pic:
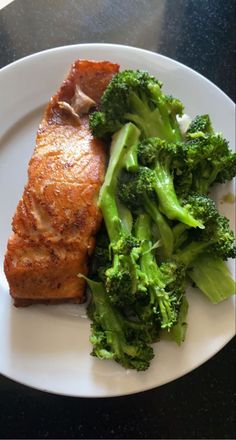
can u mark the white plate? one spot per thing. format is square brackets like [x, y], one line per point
[47, 347]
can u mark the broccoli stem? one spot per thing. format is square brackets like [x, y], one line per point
[213, 278]
[187, 255]
[110, 329]
[166, 235]
[148, 261]
[153, 123]
[180, 233]
[131, 159]
[124, 274]
[178, 332]
[159, 298]
[113, 222]
[169, 203]
[111, 322]
[203, 182]
[122, 141]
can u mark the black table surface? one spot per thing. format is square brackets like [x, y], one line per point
[200, 34]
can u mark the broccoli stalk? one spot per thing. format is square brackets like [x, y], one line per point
[163, 302]
[162, 158]
[124, 276]
[177, 333]
[180, 234]
[137, 97]
[213, 278]
[113, 335]
[216, 239]
[203, 208]
[135, 192]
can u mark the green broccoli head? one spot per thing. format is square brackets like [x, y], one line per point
[217, 232]
[202, 207]
[125, 245]
[124, 279]
[173, 276]
[199, 127]
[153, 150]
[217, 238]
[165, 158]
[136, 96]
[135, 190]
[208, 160]
[118, 283]
[161, 308]
[134, 187]
[114, 336]
[227, 169]
[222, 238]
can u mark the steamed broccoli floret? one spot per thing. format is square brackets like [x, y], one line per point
[114, 336]
[202, 207]
[165, 283]
[124, 278]
[137, 194]
[199, 127]
[208, 159]
[162, 158]
[136, 96]
[217, 238]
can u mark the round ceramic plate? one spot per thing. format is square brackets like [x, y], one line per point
[47, 347]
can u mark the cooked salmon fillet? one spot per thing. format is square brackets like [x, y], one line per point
[57, 217]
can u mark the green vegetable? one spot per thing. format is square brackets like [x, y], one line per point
[203, 208]
[124, 278]
[162, 157]
[164, 283]
[208, 159]
[213, 278]
[136, 193]
[178, 332]
[200, 126]
[114, 336]
[217, 238]
[136, 96]
[160, 227]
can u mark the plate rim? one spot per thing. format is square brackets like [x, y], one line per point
[119, 46]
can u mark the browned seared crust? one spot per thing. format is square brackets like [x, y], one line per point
[23, 302]
[57, 216]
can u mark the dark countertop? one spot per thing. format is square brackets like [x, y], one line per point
[201, 35]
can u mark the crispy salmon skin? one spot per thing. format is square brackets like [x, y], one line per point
[57, 217]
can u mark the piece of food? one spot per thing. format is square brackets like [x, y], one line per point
[207, 160]
[124, 276]
[136, 192]
[213, 277]
[162, 158]
[160, 227]
[57, 217]
[159, 224]
[135, 96]
[116, 337]
[165, 282]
